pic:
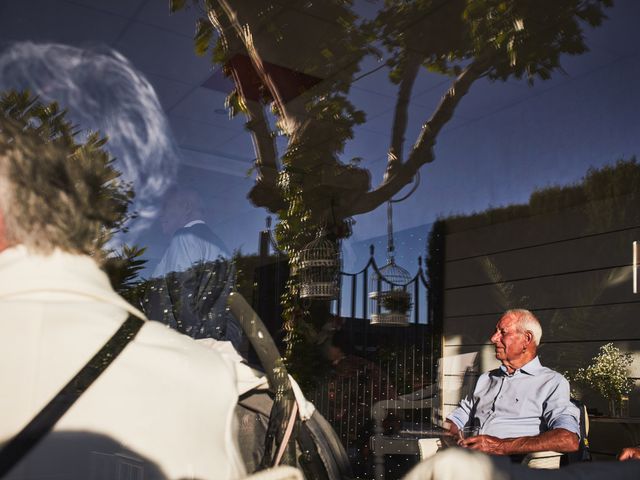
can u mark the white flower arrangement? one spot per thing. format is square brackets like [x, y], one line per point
[608, 373]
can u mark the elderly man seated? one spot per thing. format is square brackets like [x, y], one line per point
[521, 407]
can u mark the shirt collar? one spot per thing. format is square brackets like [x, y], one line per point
[192, 223]
[531, 368]
[25, 273]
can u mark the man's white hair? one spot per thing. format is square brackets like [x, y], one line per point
[527, 322]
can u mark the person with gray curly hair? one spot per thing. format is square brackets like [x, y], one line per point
[89, 386]
[47, 198]
[520, 407]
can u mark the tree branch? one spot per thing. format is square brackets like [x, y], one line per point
[422, 151]
[412, 66]
[265, 192]
[445, 110]
[244, 26]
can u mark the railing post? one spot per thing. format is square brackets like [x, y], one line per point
[365, 286]
[378, 296]
[265, 240]
[416, 293]
[354, 290]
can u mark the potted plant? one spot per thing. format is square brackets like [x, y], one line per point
[608, 375]
[396, 301]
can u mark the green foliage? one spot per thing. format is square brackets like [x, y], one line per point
[397, 301]
[293, 232]
[25, 113]
[433, 30]
[608, 373]
[176, 5]
[204, 33]
[89, 174]
[235, 104]
[622, 178]
[600, 187]
[529, 37]
[517, 38]
[331, 56]
[507, 38]
[326, 40]
[123, 268]
[78, 178]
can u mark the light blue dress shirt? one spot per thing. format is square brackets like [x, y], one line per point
[532, 400]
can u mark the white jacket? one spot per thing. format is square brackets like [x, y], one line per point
[163, 409]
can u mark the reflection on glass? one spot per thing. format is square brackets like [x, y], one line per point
[195, 275]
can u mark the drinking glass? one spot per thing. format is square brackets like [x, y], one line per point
[468, 432]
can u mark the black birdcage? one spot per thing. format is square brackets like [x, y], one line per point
[318, 269]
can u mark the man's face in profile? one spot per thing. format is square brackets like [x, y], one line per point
[174, 214]
[508, 340]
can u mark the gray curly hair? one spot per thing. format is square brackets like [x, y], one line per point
[55, 193]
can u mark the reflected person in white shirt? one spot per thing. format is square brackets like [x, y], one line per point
[197, 271]
[192, 241]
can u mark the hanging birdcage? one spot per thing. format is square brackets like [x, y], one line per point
[389, 300]
[318, 270]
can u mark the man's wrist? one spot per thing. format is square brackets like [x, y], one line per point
[451, 423]
[450, 426]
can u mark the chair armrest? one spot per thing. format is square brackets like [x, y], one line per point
[283, 472]
[547, 459]
[428, 447]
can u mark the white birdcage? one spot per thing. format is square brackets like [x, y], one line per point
[318, 269]
[389, 300]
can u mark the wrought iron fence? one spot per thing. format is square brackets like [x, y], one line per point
[379, 362]
[371, 362]
[418, 286]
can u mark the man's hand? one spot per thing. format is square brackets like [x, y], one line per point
[451, 427]
[629, 454]
[486, 444]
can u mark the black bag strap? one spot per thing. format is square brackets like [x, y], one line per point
[22, 443]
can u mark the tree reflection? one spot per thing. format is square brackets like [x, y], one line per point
[299, 59]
